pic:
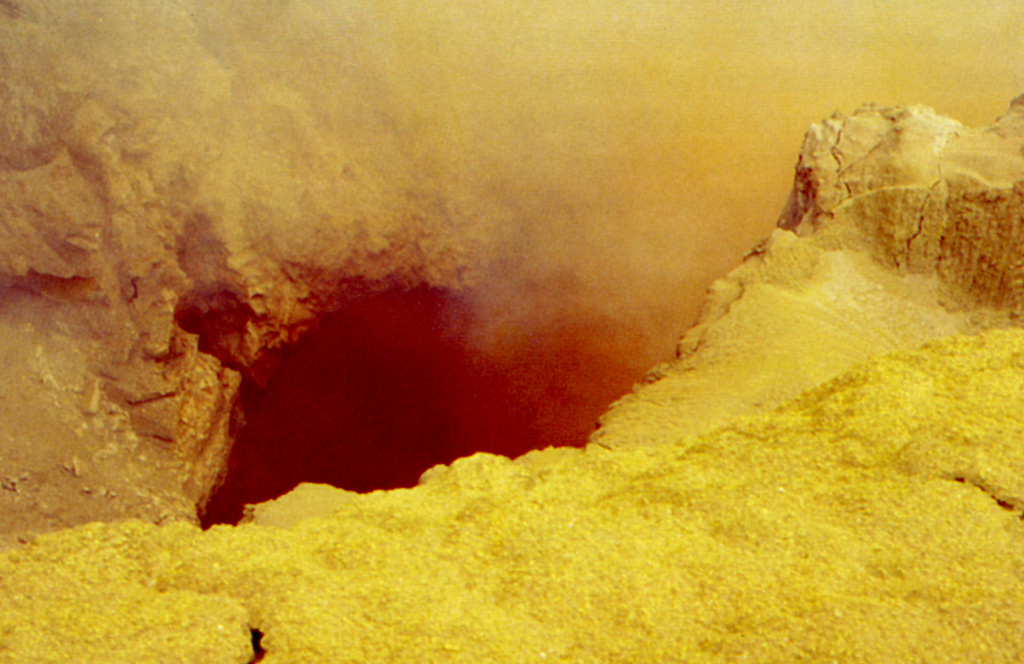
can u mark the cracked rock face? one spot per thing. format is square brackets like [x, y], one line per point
[154, 249]
[925, 195]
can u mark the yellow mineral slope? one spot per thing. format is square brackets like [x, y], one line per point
[876, 518]
[902, 226]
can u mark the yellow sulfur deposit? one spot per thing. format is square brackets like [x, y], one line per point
[876, 518]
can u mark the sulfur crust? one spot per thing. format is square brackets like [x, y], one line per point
[876, 518]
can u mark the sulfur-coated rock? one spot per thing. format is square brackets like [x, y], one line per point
[876, 518]
[902, 226]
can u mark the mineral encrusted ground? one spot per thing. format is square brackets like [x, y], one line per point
[877, 518]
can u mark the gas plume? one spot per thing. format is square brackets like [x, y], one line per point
[618, 155]
[602, 160]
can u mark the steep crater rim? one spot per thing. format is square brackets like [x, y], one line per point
[374, 395]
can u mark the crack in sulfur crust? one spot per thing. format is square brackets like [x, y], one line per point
[1005, 502]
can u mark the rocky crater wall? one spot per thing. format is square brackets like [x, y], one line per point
[176, 221]
[184, 199]
[156, 252]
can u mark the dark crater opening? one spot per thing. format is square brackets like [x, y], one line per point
[381, 391]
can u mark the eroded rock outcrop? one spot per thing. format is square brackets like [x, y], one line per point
[170, 218]
[902, 226]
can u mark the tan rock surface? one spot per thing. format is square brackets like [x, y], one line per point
[171, 215]
[876, 518]
[902, 226]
